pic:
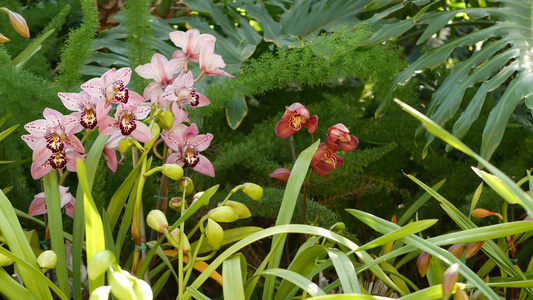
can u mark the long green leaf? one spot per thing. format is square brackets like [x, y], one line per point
[419, 203]
[305, 284]
[384, 226]
[345, 270]
[21, 59]
[231, 274]
[55, 225]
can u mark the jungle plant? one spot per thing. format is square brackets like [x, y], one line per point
[498, 57]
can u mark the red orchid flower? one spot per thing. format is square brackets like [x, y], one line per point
[187, 144]
[293, 119]
[325, 159]
[38, 205]
[281, 174]
[339, 135]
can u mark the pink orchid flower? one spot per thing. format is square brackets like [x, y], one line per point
[38, 205]
[211, 63]
[325, 159]
[187, 144]
[191, 42]
[340, 135]
[162, 72]
[53, 142]
[89, 109]
[112, 87]
[125, 120]
[110, 147]
[183, 92]
[293, 119]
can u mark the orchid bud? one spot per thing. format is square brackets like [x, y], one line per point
[473, 248]
[164, 118]
[449, 279]
[47, 260]
[460, 295]
[483, 213]
[101, 293]
[281, 174]
[175, 203]
[120, 286]
[5, 261]
[155, 130]
[157, 220]
[457, 250]
[240, 209]
[175, 240]
[173, 171]
[18, 23]
[197, 196]
[338, 227]
[186, 185]
[100, 263]
[224, 214]
[214, 234]
[3, 38]
[142, 290]
[125, 145]
[253, 191]
[422, 263]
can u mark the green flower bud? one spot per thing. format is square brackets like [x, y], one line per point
[338, 227]
[142, 290]
[253, 191]
[120, 286]
[197, 196]
[125, 145]
[224, 214]
[174, 239]
[101, 293]
[186, 185]
[164, 118]
[449, 279]
[240, 209]
[175, 203]
[173, 171]
[5, 261]
[99, 263]
[47, 260]
[155, 130]
[214, 234]
[157, 220]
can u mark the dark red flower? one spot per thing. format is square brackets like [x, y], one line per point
[281, 174]
[339, 135]
[294, 118]
[325, 159]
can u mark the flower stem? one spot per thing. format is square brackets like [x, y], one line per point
[291, 143]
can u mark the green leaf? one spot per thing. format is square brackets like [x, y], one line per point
[236, 111]
[232, 275]
[196, 294]
[7, 132]
[94, 228]
[25, 55]
[55, 225]
[305, 284]
[345, 270]
[419, 203]
[230, 236]
[384, 227]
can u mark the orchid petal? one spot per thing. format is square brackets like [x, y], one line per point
[174, 158]
[204, 166]
[203, 101]
[283, 129]
[202, 141]
[142, 133]
[135, 98]
[71, 160]
[37, 206]
[38, 170]
[111, 159]
[31, 140]
[70, 100]
[37, 128]
[311, 124]
[94, 87]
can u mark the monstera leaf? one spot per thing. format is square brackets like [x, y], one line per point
[501, 58]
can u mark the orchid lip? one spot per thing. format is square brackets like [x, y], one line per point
[127, 123]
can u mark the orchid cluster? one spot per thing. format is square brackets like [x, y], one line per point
[325, 159]
[108, 104]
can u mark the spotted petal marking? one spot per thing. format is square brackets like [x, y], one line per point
[54, 142]
[194, 98]
[127, 123]
[120, 91]
[191, 157]
[58, 160]
[88, 118]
